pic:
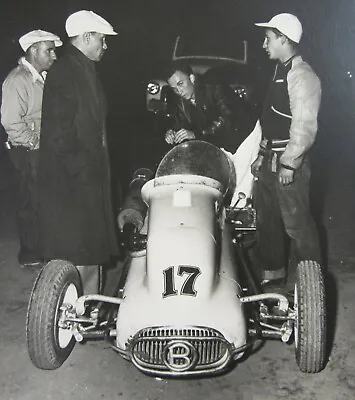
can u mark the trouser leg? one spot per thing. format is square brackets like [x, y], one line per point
[26, 166]
[270, 231]
[91, 278]
[298, 221]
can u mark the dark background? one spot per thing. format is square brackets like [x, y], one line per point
[147, 30]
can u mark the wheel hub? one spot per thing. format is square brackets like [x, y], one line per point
[67, 308]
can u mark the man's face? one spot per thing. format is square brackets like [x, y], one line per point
[43, 55]
[273, 44]
[182, 84]
[96, 46]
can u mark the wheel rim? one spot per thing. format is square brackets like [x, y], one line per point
[70, 297]
[295, 302]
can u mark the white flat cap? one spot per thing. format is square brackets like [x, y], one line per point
[87, 21]
[287, 24]
[36, 36]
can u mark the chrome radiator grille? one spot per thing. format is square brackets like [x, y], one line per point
[179, 351]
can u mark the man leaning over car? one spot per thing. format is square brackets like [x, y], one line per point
[205, 111]
[214, 113]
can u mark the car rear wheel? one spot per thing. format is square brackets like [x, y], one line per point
[49, 342]
[310, 321]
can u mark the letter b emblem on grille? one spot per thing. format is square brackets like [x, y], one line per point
[179, 356]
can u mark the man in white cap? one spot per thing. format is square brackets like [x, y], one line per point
[289, 127]
[21, 108]
[75, 209]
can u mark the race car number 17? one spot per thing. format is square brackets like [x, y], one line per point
[171, 277]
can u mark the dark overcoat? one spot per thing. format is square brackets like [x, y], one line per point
[76, 219]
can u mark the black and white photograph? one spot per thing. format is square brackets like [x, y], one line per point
[177, 200]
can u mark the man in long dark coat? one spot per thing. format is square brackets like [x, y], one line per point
[75, 211]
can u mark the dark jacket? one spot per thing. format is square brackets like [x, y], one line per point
[76, 220]
[219, 116]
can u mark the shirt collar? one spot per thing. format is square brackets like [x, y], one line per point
[289, 61]
[36, 76]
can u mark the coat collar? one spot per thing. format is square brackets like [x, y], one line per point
[199, 91]
[81, 57]
[94, 95]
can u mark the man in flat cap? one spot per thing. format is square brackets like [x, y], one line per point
[289, 128]
[21, 109]
[76, 216]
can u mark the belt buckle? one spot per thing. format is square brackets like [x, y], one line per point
[8, 145]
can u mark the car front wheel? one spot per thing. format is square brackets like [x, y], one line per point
[49, 340]
[310, 321]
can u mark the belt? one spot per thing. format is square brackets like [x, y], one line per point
[10, 146]
[277, 145]
[272, 151]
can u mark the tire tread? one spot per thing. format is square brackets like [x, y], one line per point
[311, 349]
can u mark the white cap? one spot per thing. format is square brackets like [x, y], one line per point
[87, 21]
[36, 36]
[288, 24]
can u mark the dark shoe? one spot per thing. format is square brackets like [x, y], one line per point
[276, 285]
[278, 281]
[32, 264]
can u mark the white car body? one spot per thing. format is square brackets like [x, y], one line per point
[184, 281]
[180, 307]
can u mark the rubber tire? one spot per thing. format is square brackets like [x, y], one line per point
[310, 340]
[43, 313]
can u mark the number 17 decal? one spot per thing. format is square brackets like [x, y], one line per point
[187, 287]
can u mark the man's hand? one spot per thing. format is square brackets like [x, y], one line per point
[256, 165]
[286, 176]
[184, 134]
[170, 136]
[33, 144]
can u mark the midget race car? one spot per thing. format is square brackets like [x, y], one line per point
[188, 302]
